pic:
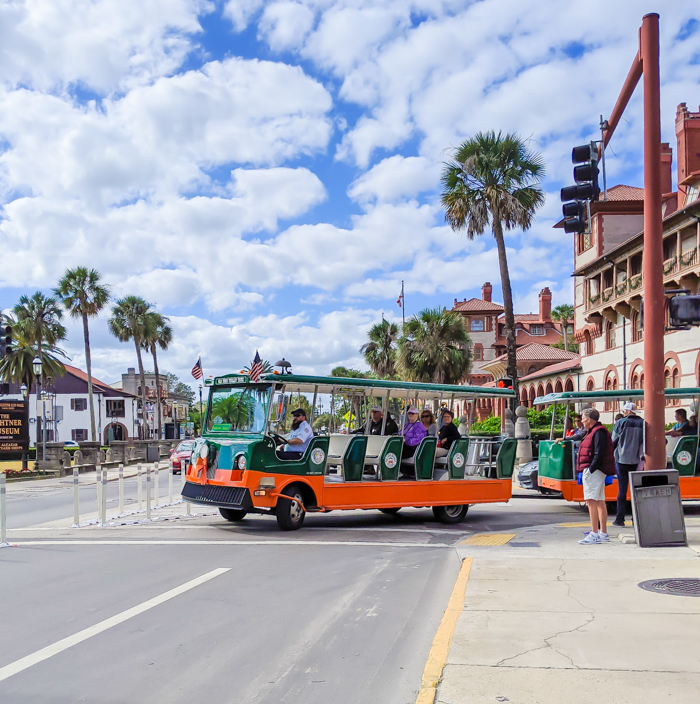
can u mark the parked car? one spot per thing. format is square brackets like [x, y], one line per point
[70, 443]
[181, 454]
[528, 478]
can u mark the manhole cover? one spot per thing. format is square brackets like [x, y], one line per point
[677, 587]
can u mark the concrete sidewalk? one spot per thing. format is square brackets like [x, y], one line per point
[548, 621]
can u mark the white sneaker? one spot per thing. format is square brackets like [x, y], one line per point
[590, 539]
[603, 537]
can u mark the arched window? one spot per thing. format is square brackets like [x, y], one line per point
[668, 383]
[531, 396]
[540, 390]
[477, 325]
[587, 342]
[558, 388]
[548, 389]
[523, 397]
[637, 330]
[610, 385]
[610, 336]
[569, 385]
[637, 382]
[676, 384]
[590, 386]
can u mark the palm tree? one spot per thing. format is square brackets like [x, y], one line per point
[129, 322]
[434, 347]
[38, 321]
[563, 314]
[158, 334]
[493, 180]
[84, 297]
[380, 351]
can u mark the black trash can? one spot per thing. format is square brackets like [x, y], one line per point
[657, 509]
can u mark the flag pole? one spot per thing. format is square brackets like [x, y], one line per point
[403, 305]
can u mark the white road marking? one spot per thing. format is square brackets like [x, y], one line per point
[58, 647]
[360, 543]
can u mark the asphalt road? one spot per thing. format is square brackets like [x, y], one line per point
[342, 611]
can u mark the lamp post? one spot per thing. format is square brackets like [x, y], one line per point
[25, 393]
[37, 367]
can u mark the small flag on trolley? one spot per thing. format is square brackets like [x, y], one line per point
[256, 368]
[197, 372]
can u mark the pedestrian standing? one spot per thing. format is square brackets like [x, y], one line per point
[596, 461]
[628, 441]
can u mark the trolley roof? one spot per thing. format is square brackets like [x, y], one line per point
[369, 387]
[616, 395]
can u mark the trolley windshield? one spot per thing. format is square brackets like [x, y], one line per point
[239, 408]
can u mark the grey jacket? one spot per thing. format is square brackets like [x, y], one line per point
[628, 439]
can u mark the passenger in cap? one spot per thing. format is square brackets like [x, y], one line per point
[375, 425]
[413, 433]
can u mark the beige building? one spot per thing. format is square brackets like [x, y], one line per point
[609, 283]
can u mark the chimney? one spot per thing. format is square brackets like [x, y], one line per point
[545, 304]
[455, 303]
[688, 136]
[486, 292]
[666, 161]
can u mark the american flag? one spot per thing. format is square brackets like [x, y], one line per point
[256, 368]
[197, 372]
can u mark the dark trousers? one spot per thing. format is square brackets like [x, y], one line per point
[623, 482]
[288, 455]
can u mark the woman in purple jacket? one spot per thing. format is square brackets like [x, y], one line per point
[413, 433]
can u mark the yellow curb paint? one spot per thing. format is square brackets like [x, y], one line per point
[488, 539]
[580, 524]
[441, 643]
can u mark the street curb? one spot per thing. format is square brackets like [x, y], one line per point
[437, 658]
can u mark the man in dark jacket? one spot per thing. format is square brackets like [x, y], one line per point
[628, 440]
[375, 425]
[596, 461]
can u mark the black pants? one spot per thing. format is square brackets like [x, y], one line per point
[288, 455]
[623, 481]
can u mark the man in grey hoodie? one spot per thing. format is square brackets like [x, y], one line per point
[628, 441]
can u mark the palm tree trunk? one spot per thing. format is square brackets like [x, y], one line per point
[88, 364]
[158, 405]
[142, 378]
[565, 326]
[37, 388]
[512, 366]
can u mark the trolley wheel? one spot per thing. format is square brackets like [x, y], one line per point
[290, 514]
[450, 514]
[391, 511]
[233, 514]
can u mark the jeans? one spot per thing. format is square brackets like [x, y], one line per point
[623, 481]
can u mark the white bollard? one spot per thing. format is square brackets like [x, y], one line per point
[103, 498]
[121, 489]
[98, 481]
[138, 485]
[3, 511]
[155, 485]
[76, 497]
[170, 483]
[148, 492]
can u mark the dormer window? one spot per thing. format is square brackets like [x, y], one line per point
[537, 329]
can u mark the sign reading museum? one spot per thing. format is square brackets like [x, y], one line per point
[14, 433]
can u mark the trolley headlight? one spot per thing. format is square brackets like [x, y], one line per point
[204, 452]
[241, 462]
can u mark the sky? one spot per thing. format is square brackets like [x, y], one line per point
[267, 173]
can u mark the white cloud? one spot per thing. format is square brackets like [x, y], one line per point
[395, 178]
[240, 12]
[285, 24]
[106, 45]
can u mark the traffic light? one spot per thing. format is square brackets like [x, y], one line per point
[5, 340]
[585, 160]
[504, 383]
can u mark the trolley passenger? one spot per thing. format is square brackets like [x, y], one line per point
[413, 433]
[447, 435]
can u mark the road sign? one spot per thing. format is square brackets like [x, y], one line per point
[14, 430]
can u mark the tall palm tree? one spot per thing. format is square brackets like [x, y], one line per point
[38, 319]
[494, 180]
[380, 351]
[84, 297]
[158, 334]
[434, 347]
[564, 314]
[129, 322]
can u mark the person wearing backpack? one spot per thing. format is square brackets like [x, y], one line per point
[596, 461]
[628, 441]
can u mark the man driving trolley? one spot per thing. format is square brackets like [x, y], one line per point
[298, 438]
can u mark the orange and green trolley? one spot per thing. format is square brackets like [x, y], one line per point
[235, 465]
[557, 460]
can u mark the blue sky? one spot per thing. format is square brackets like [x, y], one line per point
[266, 173]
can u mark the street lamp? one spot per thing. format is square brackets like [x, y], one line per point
[37, 367]
[25, 392]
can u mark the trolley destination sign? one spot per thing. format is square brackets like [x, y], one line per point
[14, 433]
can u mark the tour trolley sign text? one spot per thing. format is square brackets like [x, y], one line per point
[14, 433]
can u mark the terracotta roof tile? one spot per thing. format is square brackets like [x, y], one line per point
[535, 352]
[622, 192]
[564, 366]
[477, 305]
